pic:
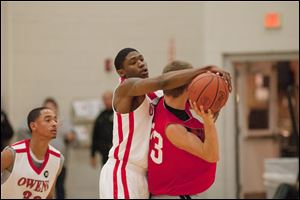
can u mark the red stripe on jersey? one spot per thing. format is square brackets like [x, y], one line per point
[152, 95]
[21, 150]
[120, 134]
[126, 155]
[116, 152]
[54, 153]
[20, 142]
[115, 180]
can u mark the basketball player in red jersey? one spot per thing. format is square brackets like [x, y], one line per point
[124, 174]
[183, 152]
[29, 168]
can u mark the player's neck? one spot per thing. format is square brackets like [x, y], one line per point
[177, 103]
[39, 148]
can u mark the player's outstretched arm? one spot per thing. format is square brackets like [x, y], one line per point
[170, 80]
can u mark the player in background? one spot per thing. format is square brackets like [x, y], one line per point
[29, 168]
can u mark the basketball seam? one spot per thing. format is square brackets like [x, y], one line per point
[198, 80]
[204, 88]
[215, 94]
[227, 91]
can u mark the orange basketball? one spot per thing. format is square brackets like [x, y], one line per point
[209, 90]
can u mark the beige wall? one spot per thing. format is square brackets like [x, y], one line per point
[237, 27]
[58, 49]
[233, 28]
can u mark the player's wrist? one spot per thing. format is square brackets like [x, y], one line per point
[209, 123]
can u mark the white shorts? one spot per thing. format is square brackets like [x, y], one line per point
[122, 182]
[195, 196]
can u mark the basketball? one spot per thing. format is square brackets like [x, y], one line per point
[209, 90]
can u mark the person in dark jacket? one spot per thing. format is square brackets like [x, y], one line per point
[6, 130]
[102, 131]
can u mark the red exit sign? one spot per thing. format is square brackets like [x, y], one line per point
[272, 20]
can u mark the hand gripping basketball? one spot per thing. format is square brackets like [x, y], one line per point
[209, 90]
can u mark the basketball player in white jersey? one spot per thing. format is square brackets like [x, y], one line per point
[29, 168]
[124, 174]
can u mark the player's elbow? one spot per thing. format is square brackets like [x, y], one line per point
[214, 159]
[211, 157]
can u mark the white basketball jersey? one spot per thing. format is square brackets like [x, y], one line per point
[124, 174]
[131, 133]
[26, 181]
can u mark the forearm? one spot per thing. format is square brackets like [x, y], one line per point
[170, 80]
[211, 143]
[179, 78]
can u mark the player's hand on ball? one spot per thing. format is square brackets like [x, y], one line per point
[208, 117]
[224, 74]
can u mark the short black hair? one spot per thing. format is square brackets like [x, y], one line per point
[174, 66]
[33, 115]
[121, 57]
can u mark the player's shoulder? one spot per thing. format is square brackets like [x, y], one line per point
[128, 81]
[125, 84]
[54, 151]
[20, 145]
[7, 157]
[8, 152]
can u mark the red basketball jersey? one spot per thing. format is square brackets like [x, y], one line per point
[172, 171]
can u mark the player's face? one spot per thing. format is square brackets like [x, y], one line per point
[135, 66]
[46, 124]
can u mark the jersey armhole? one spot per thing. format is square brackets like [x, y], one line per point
[61, 164]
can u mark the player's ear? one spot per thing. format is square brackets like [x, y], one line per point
[32, 125]
[122, 73]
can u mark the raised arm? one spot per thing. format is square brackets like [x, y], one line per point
[187, 141]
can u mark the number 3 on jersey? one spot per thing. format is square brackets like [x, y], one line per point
[156, 153]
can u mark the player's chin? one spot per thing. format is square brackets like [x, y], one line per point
[53, 135]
